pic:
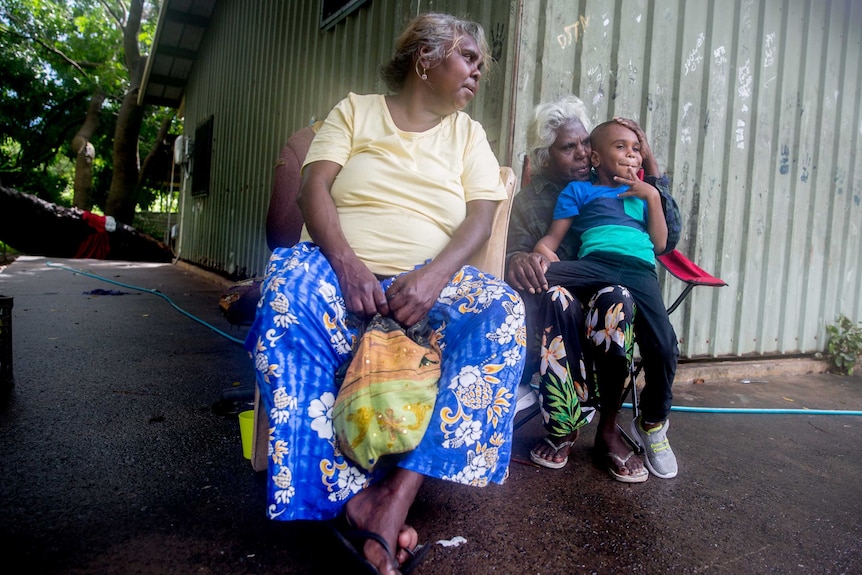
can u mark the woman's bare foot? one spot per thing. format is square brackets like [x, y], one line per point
[553, 452]
[623, 464]
[382, 509]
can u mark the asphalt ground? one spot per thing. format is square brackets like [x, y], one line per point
[118, 457]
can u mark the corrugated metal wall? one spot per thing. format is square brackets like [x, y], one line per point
[266, 70]
[753, 109]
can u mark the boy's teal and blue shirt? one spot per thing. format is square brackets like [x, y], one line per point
[605, 222]
[533, 208]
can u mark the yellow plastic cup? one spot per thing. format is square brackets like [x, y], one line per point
[246, 431]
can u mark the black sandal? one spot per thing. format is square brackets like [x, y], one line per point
[417, 554]
[353, 541]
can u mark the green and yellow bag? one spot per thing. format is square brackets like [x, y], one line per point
[388, 391]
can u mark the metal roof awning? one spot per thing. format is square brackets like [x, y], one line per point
[179, 33]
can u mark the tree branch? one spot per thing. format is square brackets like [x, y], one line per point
[130, 35]
[110, 8]
[43, 44]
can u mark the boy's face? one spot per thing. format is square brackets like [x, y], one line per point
[616, 152]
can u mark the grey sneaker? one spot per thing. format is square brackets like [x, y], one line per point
[660, 459]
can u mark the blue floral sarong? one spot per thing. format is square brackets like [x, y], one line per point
[300, 338]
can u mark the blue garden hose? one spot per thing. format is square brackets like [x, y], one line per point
[748, 410]
[154, 292]
[757, 410]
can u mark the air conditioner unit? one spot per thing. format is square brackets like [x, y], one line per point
[183, 147]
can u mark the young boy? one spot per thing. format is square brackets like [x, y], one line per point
[621, 226]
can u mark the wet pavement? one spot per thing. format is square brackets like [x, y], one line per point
[115, 462]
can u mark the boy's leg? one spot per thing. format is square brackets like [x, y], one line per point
[659, 353]
[579, 275]
[658, 345]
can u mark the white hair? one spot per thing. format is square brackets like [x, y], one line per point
[547, 119]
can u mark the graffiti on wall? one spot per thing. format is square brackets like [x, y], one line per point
[572, 32]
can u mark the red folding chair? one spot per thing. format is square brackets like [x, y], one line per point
[692, 276]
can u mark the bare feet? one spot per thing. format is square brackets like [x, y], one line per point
[553, 452]
[623, 464]
[382, 509]
[407, 539]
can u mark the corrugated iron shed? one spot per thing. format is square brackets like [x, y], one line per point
[179, 33]
[751, 106]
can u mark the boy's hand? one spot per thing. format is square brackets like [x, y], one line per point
[637, 188]
[656, 225]
[550, 257]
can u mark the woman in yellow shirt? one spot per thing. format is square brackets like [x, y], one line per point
[398, 191]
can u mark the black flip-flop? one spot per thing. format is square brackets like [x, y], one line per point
[353, 540]
[417, 554]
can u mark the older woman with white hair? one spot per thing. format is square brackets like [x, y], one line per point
[578, 351]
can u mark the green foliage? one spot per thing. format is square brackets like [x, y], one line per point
[7, 255]
[54, 54]
[46, 82]
[844, 347]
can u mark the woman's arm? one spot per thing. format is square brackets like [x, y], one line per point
[362, 292]
[525, 269]
[412, 294]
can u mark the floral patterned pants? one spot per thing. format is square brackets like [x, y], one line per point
[656, 339]
[577, 353]
[300, 338]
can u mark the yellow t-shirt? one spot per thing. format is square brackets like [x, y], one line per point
[401, 195]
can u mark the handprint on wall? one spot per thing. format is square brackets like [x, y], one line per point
[497, 35]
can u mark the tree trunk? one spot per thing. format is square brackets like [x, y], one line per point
[122, 195]
[152, 163]
[85, 154]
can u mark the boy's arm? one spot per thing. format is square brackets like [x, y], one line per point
[543, 249]
[550, 242]
[656, 224]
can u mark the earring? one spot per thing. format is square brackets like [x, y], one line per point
[424, 76]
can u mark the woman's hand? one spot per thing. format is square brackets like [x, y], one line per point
[526, 272]
[362, 293]
[650, 165]
[411, 296]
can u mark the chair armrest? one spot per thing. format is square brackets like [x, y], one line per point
[687, 271]
[491, 258]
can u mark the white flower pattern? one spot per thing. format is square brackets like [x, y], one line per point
[474, 409]
[320, 411]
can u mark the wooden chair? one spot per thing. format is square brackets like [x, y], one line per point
[284, 224]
